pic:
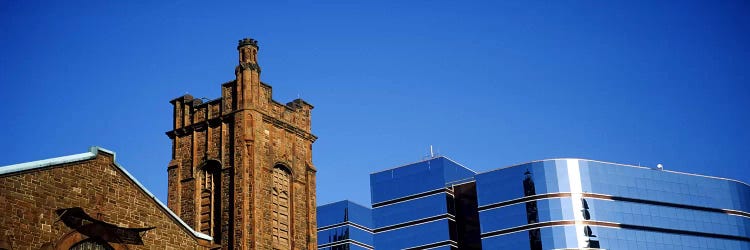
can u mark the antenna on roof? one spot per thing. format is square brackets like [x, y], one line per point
[432, 154]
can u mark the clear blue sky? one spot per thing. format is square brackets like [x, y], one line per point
[489, 84]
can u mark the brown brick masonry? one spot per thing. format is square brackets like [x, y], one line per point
[31, 192]
[241, 168]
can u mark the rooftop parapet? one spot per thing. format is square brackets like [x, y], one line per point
[247, 42]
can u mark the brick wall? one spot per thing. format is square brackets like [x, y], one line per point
[29, 200]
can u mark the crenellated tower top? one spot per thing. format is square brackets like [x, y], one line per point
[247, 41]
[248, 53]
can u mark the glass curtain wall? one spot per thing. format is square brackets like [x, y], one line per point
[572, 203]
[344, 225]
[414, 206]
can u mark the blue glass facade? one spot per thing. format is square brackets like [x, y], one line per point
[556, 204]
[414, 206]
[344, 225]
[572, 203]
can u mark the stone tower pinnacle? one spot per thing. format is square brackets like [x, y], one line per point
[241, 168]
[248, 51]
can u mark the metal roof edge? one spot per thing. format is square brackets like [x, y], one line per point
[404, 165]
[25, 166]
[459, 164]
[153, 197]
[618, 164]
[423, 160]
[344, 200]
[355, 203]
[556, 159]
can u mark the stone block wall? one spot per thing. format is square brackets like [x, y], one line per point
[29, 200]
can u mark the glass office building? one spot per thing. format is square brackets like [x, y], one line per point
[344, 225]
[556, 204]
[573, 203]
[414, 206]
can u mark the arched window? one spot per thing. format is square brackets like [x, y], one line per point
[281, 206]
[210, 211]
[91, 244]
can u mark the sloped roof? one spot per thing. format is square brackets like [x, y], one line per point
[93, 152]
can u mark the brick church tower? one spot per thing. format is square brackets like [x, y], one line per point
[241, 168]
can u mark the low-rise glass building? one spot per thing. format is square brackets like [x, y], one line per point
[415, 206]
[344, 225]
[556, 204]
